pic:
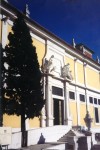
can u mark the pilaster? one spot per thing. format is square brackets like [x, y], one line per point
[67, 118]
[49, 119]
[4, 31]
[85, 83]
[76, 93]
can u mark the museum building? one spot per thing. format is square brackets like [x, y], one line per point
[71, 77]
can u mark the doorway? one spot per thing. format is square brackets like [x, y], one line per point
[58, 111]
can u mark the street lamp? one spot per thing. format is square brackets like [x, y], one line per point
[88, 120]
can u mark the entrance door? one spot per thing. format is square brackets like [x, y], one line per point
[58, 112]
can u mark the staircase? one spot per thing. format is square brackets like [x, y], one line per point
[50, 134]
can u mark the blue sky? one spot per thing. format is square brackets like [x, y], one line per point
[78, 19]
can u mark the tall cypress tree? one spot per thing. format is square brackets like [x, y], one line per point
[22, 87]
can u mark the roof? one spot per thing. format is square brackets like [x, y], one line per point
[41, 28]
[81, 44]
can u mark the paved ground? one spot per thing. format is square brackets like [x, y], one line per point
[36, 147]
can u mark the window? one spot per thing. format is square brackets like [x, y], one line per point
[91, 100]
[99, 101]
[71, 95]
[96, 115]
[57, 91]
[95, 100]
[82, 98]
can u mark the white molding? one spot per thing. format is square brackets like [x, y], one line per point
[8, 11]
[67, 48]
[37, 38]
[55, 48]
[10, 22]
[58, 97]
[4, 33]
[93, 89]
[88, 87]
[92, 69]
[92, 94]
[80, 84]
[70, 56]
[0, 16]
[79, 61]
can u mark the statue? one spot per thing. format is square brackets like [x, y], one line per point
[48, 65]
[66, 73]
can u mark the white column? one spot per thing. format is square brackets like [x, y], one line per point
[76, 143]
[4, 31]
[85, 83]
[43, 115]
[88, 142]
[76, 93]
[49, 119]
[67, 118]
[77, 105]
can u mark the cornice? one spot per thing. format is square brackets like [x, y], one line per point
[47, 35]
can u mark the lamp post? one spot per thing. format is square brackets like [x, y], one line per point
[88, 120]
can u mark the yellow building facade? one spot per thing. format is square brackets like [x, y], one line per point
[71, 78]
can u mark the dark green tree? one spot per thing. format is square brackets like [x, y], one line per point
[22, 85]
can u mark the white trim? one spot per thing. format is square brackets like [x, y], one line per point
[88, 87]
[8, 11]
[37, 38]
[4, 33]
[80, 84]
[68, 55]
[69, 50]
[93, 89]
[88, 66]
[0, 16]
[58, 97]
[10, 22]
[79, 61]
[55, 46]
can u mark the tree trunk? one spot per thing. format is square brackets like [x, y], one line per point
[23, 129]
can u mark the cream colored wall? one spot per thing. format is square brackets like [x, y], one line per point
[82, 113]
[11, 121]
[93, 78]
[40, 49]
[9, 30]
[14, 121]
[73, 112]
[80, 73]
[34, 122]
[71, 62]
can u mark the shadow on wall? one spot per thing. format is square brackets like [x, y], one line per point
[41, 139]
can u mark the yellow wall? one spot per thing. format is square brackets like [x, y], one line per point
[71, 62]
[93, 78]
[12, 121]
[82, 113]
[34, 122]
[73, 112]
[80, 73]
[9, 30]
[40, 49]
